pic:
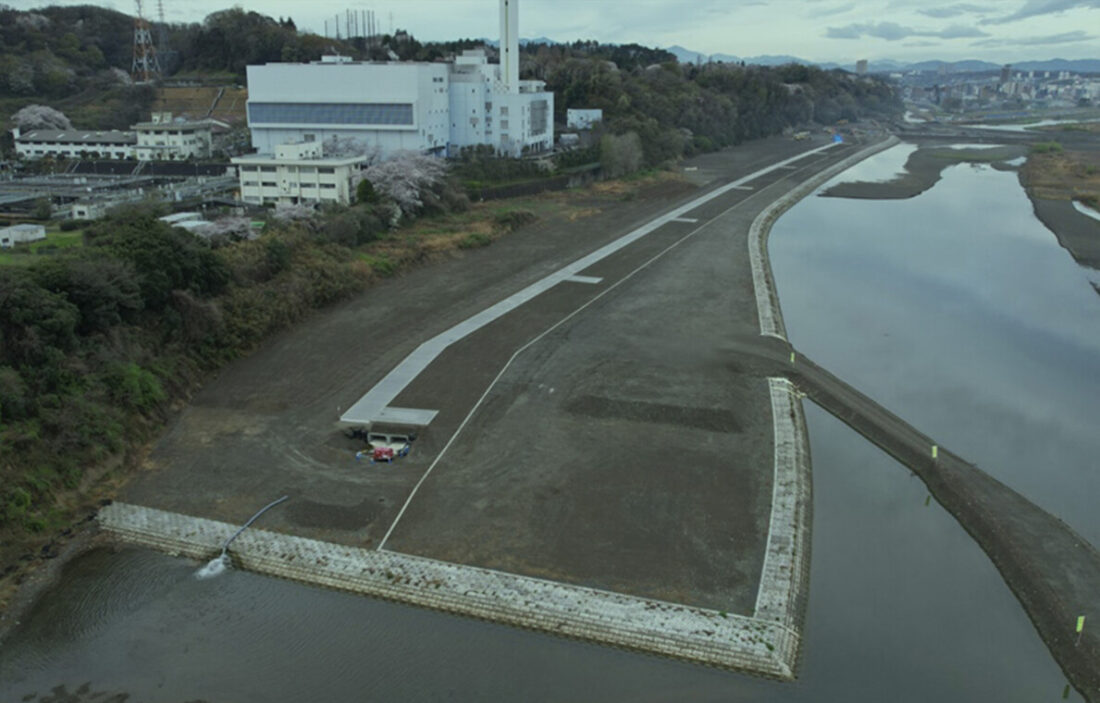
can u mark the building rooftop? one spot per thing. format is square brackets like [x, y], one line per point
[79, 136]
[188, 125]
[272, 160]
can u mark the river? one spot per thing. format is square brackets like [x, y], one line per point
[903, 605]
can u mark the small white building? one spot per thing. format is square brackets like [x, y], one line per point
[21, 234]
[297, 173]
[161, 139]
[74, 144]
[582, 119]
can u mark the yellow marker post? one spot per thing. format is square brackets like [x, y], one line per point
[1080, 622]
[792, 357]
[935, 451]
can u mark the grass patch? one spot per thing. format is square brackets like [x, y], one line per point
[1064, 175]
[474, 240]
[379, 264]
[1046, 148]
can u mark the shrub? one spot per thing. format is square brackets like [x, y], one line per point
[134, 387]
[511, 220]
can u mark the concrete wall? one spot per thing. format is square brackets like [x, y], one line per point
[704, 636]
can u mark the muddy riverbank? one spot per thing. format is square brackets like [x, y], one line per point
[1077, 233]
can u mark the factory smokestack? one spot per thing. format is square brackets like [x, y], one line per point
[509, 44]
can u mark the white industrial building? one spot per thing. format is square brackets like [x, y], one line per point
[74, 144]
[161, 139]
[20, 234]
[436, 108]
[297, 173]
[582, 119]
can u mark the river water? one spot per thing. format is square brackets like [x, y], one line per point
[959, 311]
[903, 605]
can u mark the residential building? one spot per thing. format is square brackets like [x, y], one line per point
[297, 173]
[74, 144]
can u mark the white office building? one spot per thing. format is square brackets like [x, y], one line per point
[297, 173]
[74, 144]
[161, 139]
[436, 108]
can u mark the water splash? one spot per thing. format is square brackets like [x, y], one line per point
[220, 563]
[214, 567]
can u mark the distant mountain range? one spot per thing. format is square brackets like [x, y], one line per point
[887, 66]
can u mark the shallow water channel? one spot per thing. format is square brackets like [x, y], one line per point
[903, 605]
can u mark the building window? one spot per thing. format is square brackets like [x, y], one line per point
[267, 169]
[328, 185]
[504, 124]
[248, 169]
[269, 184]
[331, 113]
[326, 170]
[539, 115]
[503, 110]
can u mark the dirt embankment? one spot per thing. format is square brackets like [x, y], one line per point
[1053, 181]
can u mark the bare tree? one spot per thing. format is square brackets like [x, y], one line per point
[621, 154]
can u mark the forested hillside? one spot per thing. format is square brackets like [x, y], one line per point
[76, 59]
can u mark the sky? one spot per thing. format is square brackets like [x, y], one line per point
[841, 31]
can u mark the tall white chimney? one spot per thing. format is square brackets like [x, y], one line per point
[509, 44]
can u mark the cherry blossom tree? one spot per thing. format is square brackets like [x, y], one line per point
[406, 179]
[41, 117]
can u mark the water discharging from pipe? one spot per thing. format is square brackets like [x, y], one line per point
[221, 562]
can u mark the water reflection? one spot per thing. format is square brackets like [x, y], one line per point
[959, 311]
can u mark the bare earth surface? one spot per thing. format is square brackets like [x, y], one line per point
[646, 471]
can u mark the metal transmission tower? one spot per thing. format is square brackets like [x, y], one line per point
[162, 30]
[145, 67]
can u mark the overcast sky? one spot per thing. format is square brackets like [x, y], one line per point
[1002, 31]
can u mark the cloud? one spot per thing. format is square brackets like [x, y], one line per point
[892, 31]
[829, 11]
[1033, 8]
[922, 42]
[962, 8]
[1063, 38]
